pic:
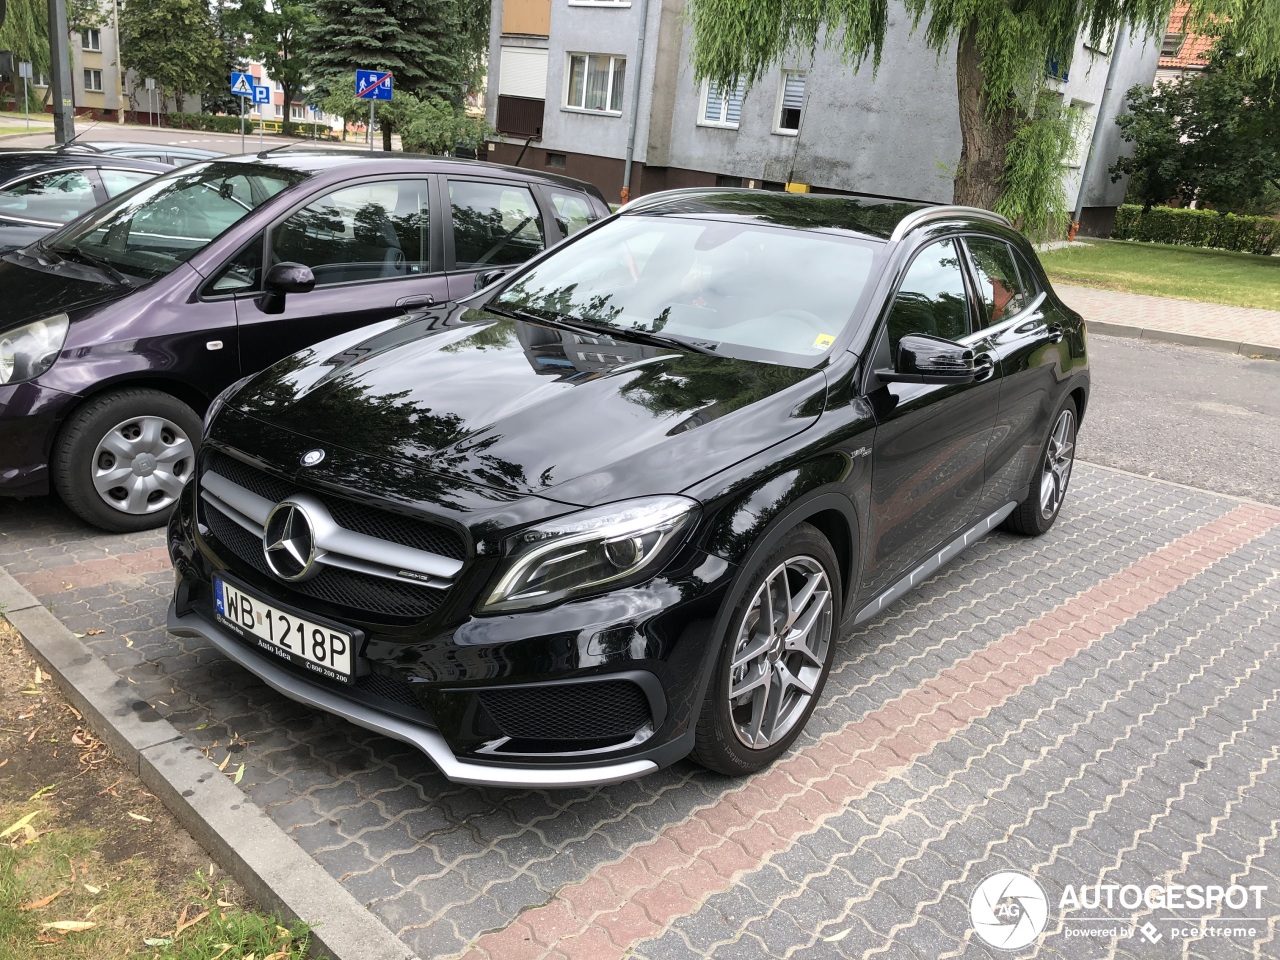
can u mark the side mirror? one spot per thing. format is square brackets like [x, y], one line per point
[281, 279]
[927, 359]
[486, 277]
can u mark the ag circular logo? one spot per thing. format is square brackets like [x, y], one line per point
[1008, 910]
[312, 457]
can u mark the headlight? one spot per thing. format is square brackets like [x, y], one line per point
[221, 399]
[29, 351]
[603, 548]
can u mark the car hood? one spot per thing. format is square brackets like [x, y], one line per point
[532, 410]
[33, 294]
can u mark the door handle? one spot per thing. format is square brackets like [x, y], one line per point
[422, 300]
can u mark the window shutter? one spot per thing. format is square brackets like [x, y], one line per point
[793, 92]
[523, 73]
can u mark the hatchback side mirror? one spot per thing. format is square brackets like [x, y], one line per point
[486, 277]
[284, 278]
[927, 359]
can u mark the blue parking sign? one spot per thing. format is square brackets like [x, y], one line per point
[373, 84]
[261, 94]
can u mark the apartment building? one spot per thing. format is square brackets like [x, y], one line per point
[567, 77]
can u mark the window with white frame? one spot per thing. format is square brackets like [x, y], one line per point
[91, 39]
[295, 111]
[721, 106]
[790, 101]
[599, 3]
[595, 82]
[93, 81]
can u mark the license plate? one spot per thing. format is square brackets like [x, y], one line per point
[321, 648]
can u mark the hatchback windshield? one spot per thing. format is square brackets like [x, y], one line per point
[740, 287]
[148, 233]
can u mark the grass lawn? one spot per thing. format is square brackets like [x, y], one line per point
[22, 128]
[1184, 273]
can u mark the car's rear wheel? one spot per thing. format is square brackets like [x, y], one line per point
[1037, 513]
[122, 459]
[774, 657]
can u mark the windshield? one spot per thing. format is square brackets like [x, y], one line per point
[148, 233]
[744, 288]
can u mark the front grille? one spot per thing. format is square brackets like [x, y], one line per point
[345, 588]
[388, 688]
[407, 531]
[572, 711]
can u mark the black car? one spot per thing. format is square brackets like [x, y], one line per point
[40, 191]
[117, 331]
[171, 155]
[619, 507]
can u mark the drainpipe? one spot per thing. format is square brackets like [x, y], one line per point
[635, 102]
[1091, 162]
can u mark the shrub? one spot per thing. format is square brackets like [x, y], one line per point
[1198, 228]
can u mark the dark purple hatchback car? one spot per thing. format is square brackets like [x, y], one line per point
[118, 331]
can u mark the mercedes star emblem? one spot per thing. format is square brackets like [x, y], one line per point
[289, 542]
[312, 457]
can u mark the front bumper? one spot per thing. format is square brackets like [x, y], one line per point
[516, 701]
[429, 741]
[29, 419]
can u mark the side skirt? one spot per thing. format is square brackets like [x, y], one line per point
[933, 563]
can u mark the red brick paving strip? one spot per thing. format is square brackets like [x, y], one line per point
[94, 573]
[638, 897]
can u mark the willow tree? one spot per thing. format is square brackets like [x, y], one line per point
[1001, 49]
[25, 33]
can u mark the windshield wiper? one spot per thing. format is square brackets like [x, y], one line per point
[48, 252]
[604, 330]
[104, 265]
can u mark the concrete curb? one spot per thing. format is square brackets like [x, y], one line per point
[1258, 350]
[270, 865]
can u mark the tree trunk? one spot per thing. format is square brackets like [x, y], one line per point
[386, 135]
[286, 115]
[985, 131]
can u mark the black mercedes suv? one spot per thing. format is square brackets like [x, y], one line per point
[618, 507]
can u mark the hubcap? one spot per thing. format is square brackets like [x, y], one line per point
[139, 467]
[780, 652]
[1058, 459]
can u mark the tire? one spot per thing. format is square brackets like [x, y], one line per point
[1035, 515]
[143, 440]
[733, 736]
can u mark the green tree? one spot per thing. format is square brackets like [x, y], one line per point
[1001, 49]
[230, 29]
[25, 33]
[174, 42]
[432, 47]
[276, 29]
[1213, 137]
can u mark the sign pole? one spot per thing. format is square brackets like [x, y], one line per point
[242, 124]
[260, 126]
[371, 126]
[26, 102]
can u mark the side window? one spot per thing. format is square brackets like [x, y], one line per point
[999, 286]
[493, 224]
[56, 197]
[573, 209]
[373, 231]
[118, 181]
[932, 298]
[241, 274]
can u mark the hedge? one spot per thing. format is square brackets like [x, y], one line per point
[1198, 228]
[231, 124]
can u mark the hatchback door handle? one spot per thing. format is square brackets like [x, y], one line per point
[423, 300]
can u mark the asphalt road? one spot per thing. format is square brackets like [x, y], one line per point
[1186, 414]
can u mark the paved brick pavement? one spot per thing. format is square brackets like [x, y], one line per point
[1097, 706]
[1244, 330]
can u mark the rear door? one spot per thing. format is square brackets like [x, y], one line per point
[374, 247]
[930, 449]
[493, 224]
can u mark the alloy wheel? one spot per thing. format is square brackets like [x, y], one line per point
[141, 464]
[780, 652]
[1058, 459]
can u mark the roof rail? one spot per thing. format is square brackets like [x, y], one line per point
[680, 193]
[942, 212]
